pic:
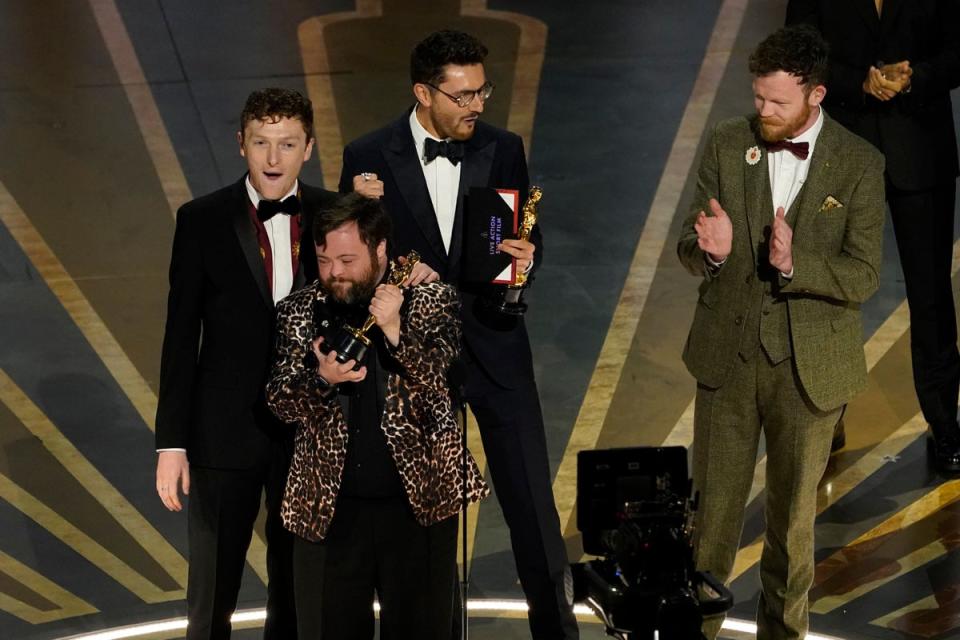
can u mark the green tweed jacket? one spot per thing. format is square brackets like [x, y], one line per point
[837, 222]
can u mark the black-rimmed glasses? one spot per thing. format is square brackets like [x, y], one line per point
[465, 98]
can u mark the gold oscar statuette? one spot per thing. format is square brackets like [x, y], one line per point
[352, 343]
[510, 299]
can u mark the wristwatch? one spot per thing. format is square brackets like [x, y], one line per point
[323, 385]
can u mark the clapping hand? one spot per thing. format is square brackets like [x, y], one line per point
[714, 233]
[781, 243]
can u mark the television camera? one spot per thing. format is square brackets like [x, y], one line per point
[635, 511]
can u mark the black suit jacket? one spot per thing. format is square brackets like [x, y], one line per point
[914, 130]
[220, 331]
[493, 157]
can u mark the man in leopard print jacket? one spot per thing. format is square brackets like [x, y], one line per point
[376, 479]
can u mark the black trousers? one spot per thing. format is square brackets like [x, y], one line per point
[375, 546]
[222, 508]
[511, 427]
[923, 225]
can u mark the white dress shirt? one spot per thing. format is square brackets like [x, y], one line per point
[443, 181]
[278, 234]
[788, 172]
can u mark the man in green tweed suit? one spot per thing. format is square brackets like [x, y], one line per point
[786, 231]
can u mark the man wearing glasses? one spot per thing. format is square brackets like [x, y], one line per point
[420, 166]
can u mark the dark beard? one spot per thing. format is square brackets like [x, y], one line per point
[361, 291]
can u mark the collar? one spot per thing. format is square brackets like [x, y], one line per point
[255, 196]
[810, 135]
[420, 134]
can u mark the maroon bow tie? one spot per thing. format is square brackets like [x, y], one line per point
[799, 149]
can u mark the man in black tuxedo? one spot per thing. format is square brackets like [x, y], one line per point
[422, 165]
[236, 252]
[892, 66]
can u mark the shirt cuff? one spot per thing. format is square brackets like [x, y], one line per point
[713, 263]
[788, 276]
[172, 449]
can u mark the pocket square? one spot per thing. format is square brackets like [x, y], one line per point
[830, 203]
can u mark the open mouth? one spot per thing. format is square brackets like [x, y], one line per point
[272, 176]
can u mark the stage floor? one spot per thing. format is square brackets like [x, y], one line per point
[115, 112]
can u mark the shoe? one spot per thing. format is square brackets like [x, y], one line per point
[839, 437]
[943, 443]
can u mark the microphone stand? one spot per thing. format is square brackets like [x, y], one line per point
[465, 582]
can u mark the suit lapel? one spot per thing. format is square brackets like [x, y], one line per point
[868, 11]
[888, 16]
[307, 255]
[401, 156]
[475, 171]
[756, 188]
[299, 279]
[247, 236]
[816, 188]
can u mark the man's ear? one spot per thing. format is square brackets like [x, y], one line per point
[817, 95]
[382, 250]
[422, 93]
[240, 143]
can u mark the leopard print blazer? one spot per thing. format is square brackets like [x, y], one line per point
[419, 422]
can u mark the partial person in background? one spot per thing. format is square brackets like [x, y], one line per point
[236, 252]
[785, 230]
[893, 64]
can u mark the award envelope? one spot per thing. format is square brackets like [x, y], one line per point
[491, 216]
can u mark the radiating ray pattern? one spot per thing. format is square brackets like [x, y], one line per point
[119, 112]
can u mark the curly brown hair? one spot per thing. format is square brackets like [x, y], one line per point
[799, 50]
[274, 103]
[441, 48]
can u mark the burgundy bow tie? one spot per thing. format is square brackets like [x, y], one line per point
[799, 149]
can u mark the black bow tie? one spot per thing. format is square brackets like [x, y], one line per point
[269, 208]
[799, 149]
[452, 151]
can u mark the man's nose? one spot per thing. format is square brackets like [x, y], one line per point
[273, 155]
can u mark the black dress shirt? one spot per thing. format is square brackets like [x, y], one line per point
[369, 471]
